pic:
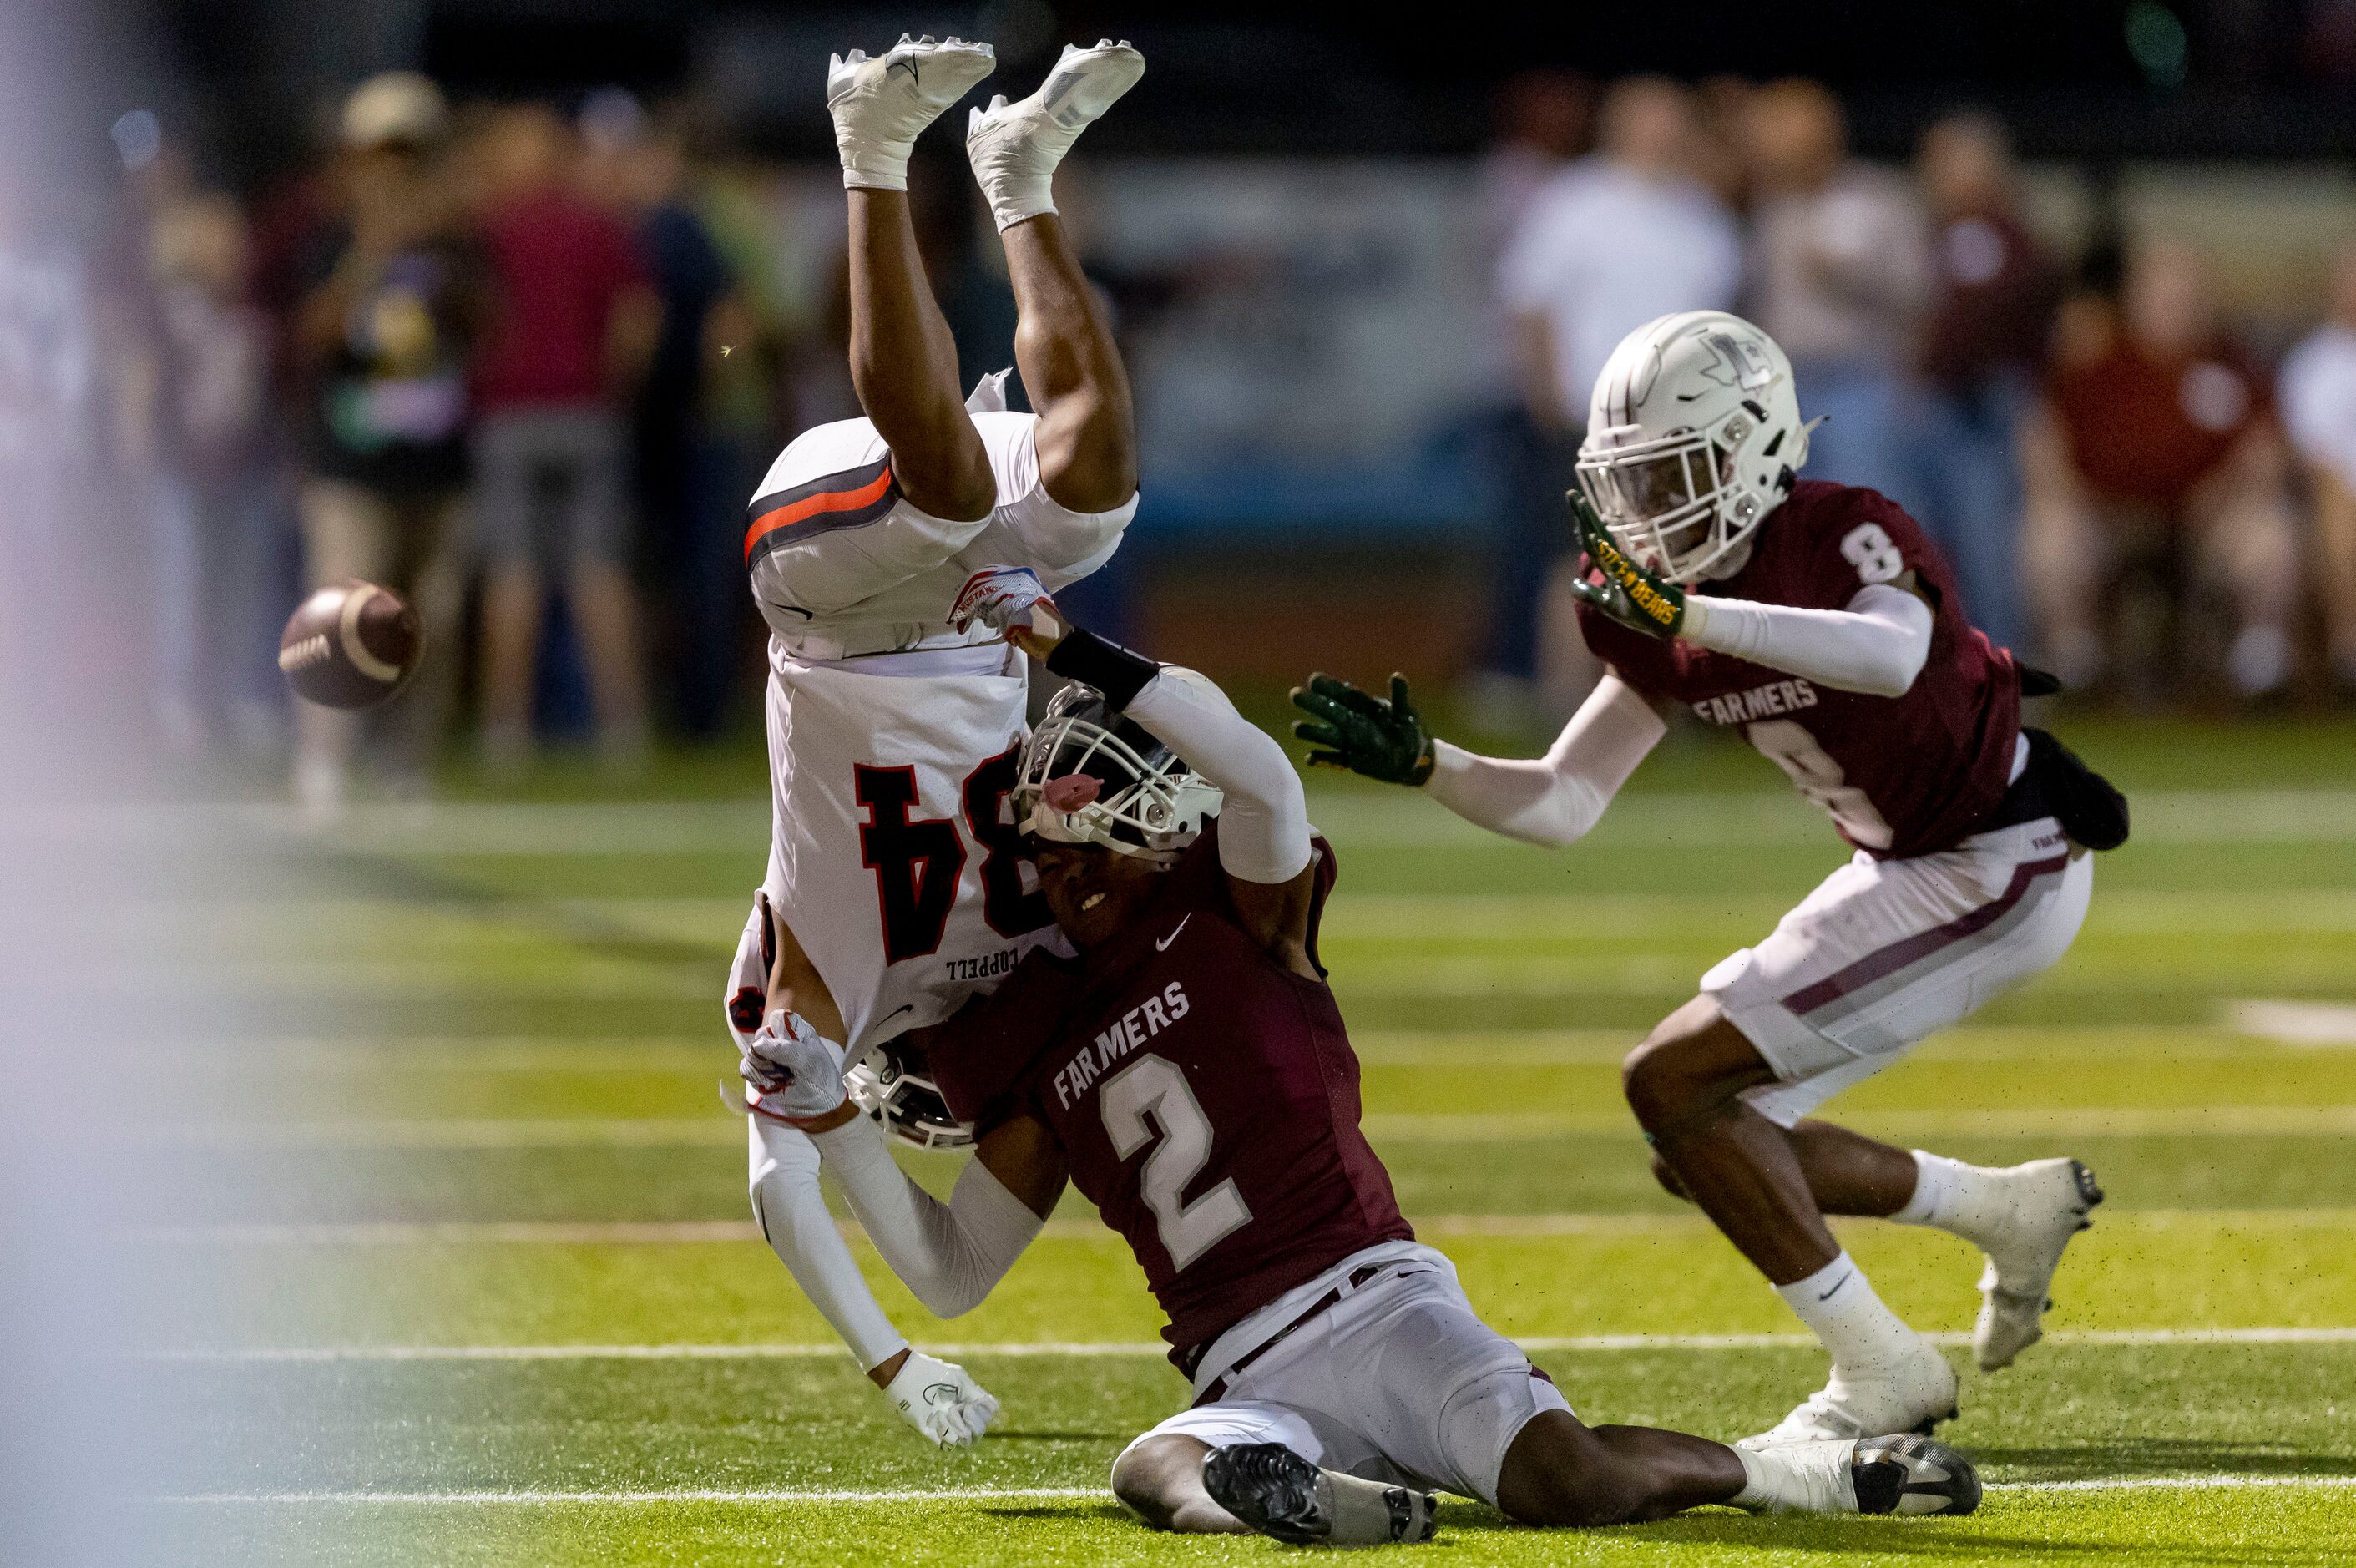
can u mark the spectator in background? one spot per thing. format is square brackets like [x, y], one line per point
[2156, 472]
[1615, 239]
[575, 327]
[1984, 340]
[1840, 274]
[391, 310]
[1612, 242]
[216, 423]
[691, 517]
[1542, 118]
[2317, 389]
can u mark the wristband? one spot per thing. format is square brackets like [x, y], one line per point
[1117, 671]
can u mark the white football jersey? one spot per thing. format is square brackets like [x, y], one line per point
[842, 565]
[894, 855]
[895, 741]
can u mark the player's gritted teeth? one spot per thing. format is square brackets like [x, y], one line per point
[1094, 892]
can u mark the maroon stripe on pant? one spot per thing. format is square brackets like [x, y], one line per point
[1898, 954]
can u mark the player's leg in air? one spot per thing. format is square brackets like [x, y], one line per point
[1086, 434]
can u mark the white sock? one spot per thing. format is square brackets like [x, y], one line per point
[1361, 1512]
[1016, 171]
[1840, 1308]
[1962, 1199]
[1797, 1477]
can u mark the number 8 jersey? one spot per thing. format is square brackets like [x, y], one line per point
[1900, 775]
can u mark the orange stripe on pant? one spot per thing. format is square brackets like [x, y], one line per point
[785, 516]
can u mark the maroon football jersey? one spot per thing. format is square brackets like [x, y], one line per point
[1901, 776]
[1205, 1096]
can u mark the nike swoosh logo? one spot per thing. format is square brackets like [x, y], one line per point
[904, 1007]
[1835, 1290]
[1162, 944]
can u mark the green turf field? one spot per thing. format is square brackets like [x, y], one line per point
[481, 1285]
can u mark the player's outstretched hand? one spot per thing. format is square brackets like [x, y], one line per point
[795, 1070]
[1363, 733]
[941, 1400]
[1628, 594]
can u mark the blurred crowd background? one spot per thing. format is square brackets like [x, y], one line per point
[510, 310]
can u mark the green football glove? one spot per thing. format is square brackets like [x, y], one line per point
[1361, 732]
[1628, 594]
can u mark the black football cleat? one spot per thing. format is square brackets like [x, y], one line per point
[1282, 1495]
[1912, 1475]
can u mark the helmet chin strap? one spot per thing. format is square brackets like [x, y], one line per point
[1729, 563]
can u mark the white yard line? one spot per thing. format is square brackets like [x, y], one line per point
[1114, 1348]
[2294, 1023]
[693, 1232]
[1447, 1127]
[996, 1494]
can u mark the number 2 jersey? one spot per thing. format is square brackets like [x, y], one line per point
[1901, 776]
[1205, 1096]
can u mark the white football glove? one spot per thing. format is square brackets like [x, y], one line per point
[941, 1400]
[1003, 599]
[792, 1070]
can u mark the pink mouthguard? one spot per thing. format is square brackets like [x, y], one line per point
[1070, 792]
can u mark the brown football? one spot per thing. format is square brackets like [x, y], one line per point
[350, 645]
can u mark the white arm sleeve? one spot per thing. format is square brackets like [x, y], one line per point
[1554, 798]
[1264, 824]
[793, 1218]
[949, 1254]
[1878, 645]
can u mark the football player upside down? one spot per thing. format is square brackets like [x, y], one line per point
[1818, 620]
[895, 884]
[1174, 1052]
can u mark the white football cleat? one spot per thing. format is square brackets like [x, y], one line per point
[2051, 1201]
[880, 105]
[1279, 1494]
[1015, 146]
[1912, 1395]
[1904, 1475]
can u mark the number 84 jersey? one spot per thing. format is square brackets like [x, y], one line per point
[1900, 775]
[894, 856]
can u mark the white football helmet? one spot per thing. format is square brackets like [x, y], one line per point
[895, 1087]
[1090, 776]
[1693, 436]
